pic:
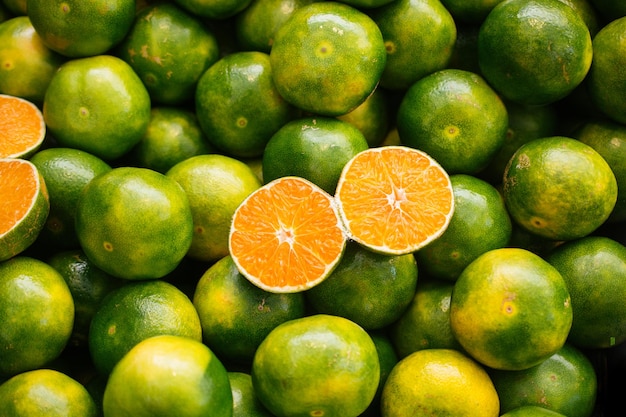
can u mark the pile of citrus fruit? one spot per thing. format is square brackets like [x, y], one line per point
[377, 208]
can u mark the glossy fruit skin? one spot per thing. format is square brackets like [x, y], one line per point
[559, 188]
[165, 373]
[173, 135]
[425, 324]
[606, 76]
[236, 315]
[608, 138]
[419, 38]
[79, 29]
[245, 401]
[45, 392]
[315, 148]
[129, 240]
[439, 382]
[327, 58]
[66, 172]
[215, 186]
[38, 312]
[97, 104]
[479, 223]
[169, 49]
[315, 348]
[238, 106]
[366, 287]
[24, 234]
[88, 284]
[455, 117]
[534, 52]
[550, 384]
[594, 270]
[26, 64]
[137, 311]
[256, 25]
[510, 309]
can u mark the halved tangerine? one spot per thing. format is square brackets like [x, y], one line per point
[394, 199]
[22, 128]
[286, 236]
[24, 206]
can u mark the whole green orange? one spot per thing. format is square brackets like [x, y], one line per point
[327, 58]
[534, 51]
[324, 365]
[559, 188]
[134, 223]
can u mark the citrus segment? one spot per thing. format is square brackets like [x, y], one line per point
[286, 236]
[24, 206]
[394, 199]
[22, 128]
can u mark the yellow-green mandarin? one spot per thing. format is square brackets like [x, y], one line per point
[566, 383]
[559, 188]
[510, 309]
[169, 49]
[79, 29]
[26, 64]
[439, 382]
[134, 223]
[168, 374]
[480, 223]
[325, 365]
[419, 37]
[45, 392]
[314, 148]
[66, 172]
[97, 104]
[238, 106]
[455, 117]
[327, 58]
[594, 270]
[534, 51]
[137, 311]
[606, 76]
[38, 314]
[236, 315]
[369, 288]
[215, 186]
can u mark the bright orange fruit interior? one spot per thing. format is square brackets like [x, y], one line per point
[394, 199]
[19, 184]
[22, 127]
[286, 236]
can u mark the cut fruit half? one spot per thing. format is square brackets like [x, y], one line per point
[22, 127]
[24, 206]
[394, 199]
[286, 236]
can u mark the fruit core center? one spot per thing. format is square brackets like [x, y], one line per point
[285, 235]
[396, 197]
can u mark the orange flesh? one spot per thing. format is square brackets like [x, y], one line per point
[287, 234]
[18, 190]
[395, 199]
[21, 126]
